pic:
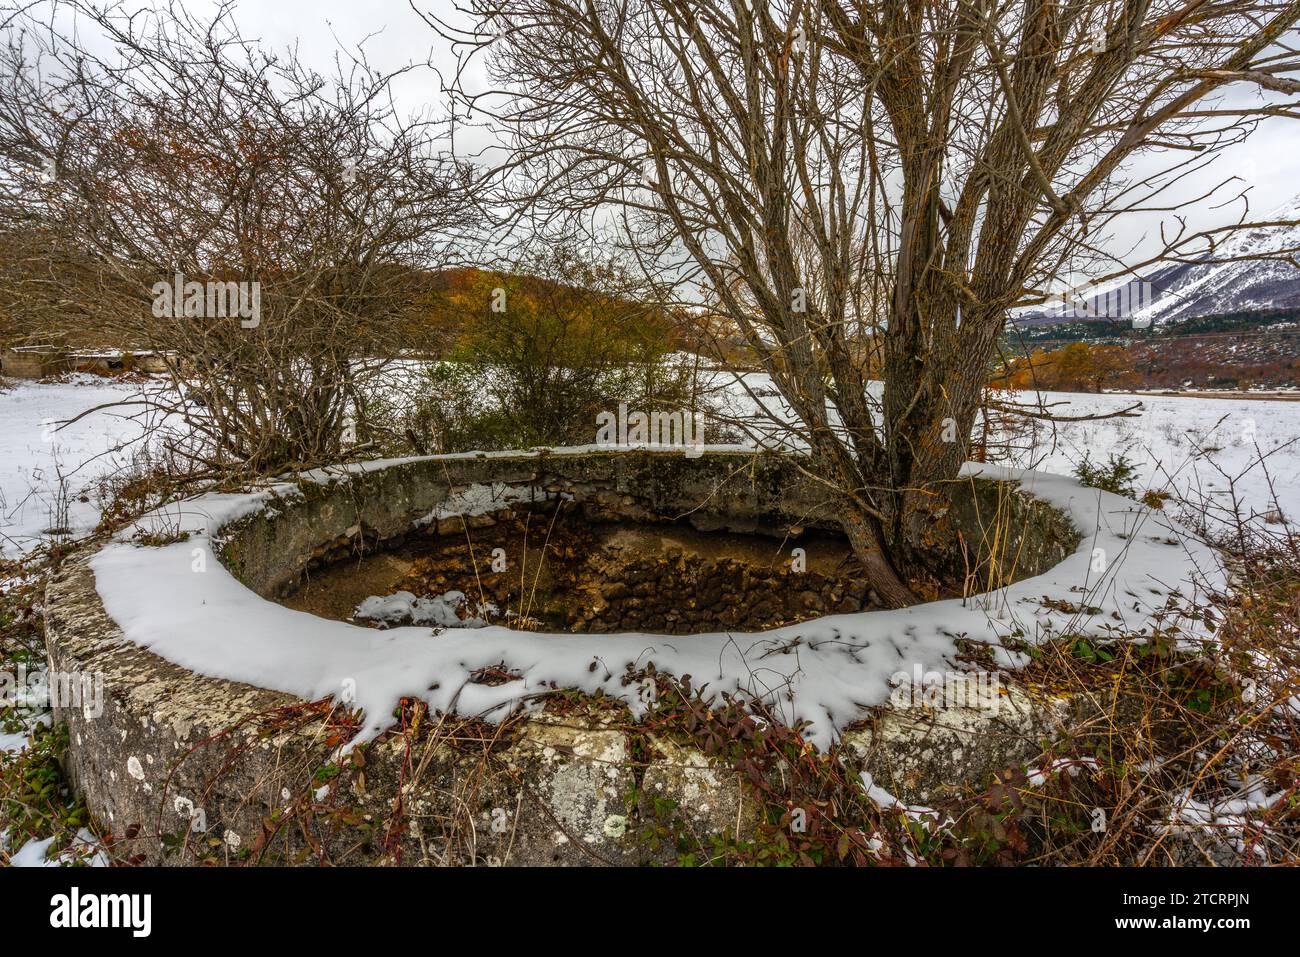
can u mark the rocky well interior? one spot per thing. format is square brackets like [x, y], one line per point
[550, 567]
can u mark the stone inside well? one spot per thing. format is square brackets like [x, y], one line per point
[548, 567]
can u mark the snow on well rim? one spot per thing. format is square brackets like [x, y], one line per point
[825, 671]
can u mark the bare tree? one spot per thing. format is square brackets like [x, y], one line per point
[904, 169]
[269, 230]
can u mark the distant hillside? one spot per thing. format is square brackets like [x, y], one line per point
[1108, 331]
[1236, 351]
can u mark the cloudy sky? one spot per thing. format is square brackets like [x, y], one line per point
[394, 34]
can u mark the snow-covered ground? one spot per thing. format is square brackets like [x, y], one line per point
[1194, 448]
[46, 468]
[85, 850]
[1198, 449]
[1226, 453]
[1231, 453]
[50, 473]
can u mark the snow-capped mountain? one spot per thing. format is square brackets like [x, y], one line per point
[1213, 287]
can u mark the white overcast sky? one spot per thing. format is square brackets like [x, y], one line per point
[394, 34]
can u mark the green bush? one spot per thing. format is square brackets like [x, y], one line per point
[1118, 475]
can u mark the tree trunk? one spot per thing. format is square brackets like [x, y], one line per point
[868, 549]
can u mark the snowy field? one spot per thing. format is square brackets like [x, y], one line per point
[1212, 455]
[1231, 454]
[47, 468]
[1200, 450]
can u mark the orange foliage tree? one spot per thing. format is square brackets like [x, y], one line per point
[1077, 367]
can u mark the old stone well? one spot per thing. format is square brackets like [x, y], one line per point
[230, 673]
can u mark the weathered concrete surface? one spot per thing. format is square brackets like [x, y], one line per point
[33, 363]
[922, 752]
[260, 772]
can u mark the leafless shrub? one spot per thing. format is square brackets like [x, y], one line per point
[297, 215]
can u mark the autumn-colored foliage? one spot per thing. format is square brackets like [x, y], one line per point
[1077, 367]
[539, 350]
